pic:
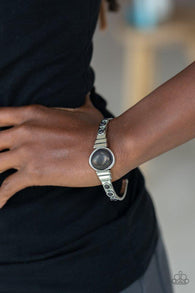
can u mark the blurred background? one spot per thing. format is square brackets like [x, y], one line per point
[144, 44]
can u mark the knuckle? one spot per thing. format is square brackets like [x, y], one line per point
[24, 128]
[34, 108]
[33, 111]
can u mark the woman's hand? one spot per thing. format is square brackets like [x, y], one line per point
[51, 146]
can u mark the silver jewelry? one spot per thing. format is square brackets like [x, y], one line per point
[102, 160]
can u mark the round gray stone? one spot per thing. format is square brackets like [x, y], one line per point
[101, 159]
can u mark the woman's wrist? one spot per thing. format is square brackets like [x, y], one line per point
[122, 148]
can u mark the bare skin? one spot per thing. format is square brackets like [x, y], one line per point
[161, 121]
[51, 146]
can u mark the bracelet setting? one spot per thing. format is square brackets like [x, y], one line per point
[102, 160]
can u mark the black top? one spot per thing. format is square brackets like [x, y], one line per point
[60, 239]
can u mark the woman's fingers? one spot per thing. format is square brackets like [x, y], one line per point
[16, 115]
[9, 160]
[7, 138]
[11, 115]
[11, 185]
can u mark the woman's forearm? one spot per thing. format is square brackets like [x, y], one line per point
[159, 122]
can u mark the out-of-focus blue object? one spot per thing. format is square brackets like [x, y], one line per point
[147, 14]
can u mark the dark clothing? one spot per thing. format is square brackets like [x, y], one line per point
[157, 277]
[61, 239]
[45, 51]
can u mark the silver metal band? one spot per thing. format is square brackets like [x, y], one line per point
[105, 175]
